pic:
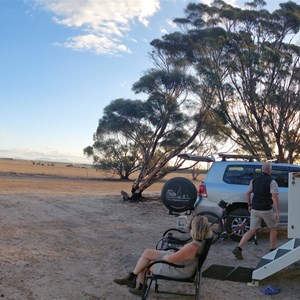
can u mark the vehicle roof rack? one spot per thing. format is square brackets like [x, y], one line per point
[193, 157]
[250, 158]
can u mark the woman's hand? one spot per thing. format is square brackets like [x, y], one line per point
[184, 253]
[166, 257]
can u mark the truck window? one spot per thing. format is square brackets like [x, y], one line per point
[241, 174]
[281, 174]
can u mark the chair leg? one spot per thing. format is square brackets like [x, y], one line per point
[156, 286]
[198, 283]
[146, 289]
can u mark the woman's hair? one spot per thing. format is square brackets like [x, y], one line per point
[200, 228]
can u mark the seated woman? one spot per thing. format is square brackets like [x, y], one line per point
[200, 230]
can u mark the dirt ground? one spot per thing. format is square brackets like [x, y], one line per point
[68, 238]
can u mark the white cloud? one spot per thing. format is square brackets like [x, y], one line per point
[102, 21]
[231, 2]
[133, 40]
[207, 2]
[124, 84]
[163, 31]
[171, 23]
[97, 44]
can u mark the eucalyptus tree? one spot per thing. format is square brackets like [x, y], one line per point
[250, 64]
[159, 127]
[168, 122]
[115, 154]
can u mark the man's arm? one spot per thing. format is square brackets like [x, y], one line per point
[275, 198]
[248, 195]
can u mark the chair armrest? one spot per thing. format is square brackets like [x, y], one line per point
[173, 240]
[170, 242]
[170, 248]
[178, 240]
[174, 229]
[161, 261]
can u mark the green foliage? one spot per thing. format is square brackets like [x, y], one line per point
[246, 60]
[114, 154]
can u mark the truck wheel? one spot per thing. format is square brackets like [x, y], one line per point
[237, 223]
[179, 194]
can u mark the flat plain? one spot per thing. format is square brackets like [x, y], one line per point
[66, 234]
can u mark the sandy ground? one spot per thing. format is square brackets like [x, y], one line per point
[68, 238]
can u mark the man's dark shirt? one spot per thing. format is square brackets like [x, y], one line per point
[262, 198]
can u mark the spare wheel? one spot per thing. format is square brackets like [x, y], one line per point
[179, 194]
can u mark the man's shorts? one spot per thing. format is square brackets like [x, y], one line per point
[258, 215]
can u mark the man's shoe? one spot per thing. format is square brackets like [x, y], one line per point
[237, 253]
[129, 280]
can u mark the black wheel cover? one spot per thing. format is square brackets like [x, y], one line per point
[179, 194]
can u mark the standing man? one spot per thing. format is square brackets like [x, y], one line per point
[264, 207]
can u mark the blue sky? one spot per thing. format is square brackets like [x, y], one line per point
[63, 61]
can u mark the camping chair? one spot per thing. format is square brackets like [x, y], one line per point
[175, 238]
[171, 241]
[195, 278]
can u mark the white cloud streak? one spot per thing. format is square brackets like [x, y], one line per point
[98, 44]
[103, 23]
[163, 31]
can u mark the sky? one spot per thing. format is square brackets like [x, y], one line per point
[63, 61]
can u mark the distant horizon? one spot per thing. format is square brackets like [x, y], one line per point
[45, 161]
[46, 157]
